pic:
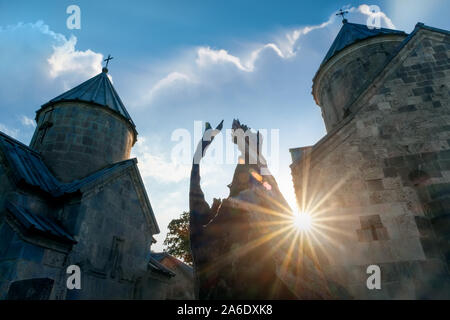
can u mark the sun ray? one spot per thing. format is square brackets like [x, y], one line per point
[305, 181]
[287, 258]
[220, 262]
[301, 241]
[329, 193]
[244, 205]
[277, 245]
[334, 229]
[330, 240]
[321, 245]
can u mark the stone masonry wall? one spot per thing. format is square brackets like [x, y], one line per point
[22, 260]
[340, 81]
[114, 240]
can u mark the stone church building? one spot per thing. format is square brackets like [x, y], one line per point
[378, 183]
[74, 197]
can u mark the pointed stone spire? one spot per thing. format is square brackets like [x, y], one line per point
[353, 32]
[98, 90]
[84, 130]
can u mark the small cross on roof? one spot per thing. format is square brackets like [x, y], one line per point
[342, 13]
[108, 59]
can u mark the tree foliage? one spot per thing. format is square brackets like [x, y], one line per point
[177, 239]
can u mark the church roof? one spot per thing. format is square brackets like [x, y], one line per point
[28, 165]
[353, 32]
[28, 169]
[322, 142]
[78, 184]
[31, 170]
[160, 256]
[155, 265]
[98, 90]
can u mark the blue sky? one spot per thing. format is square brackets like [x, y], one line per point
[180, 61]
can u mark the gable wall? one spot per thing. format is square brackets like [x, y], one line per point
[111, 215]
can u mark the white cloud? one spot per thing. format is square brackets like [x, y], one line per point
[293, 37]
[27, 121]
[365, 9]
[256, 53]
[207, 56]
[39, 25]
[158, 167]
[38, 65]
[67, 60]
[167, 206]
[161, 169]
[212, 66]
[46, 55]
[9, 131]
[168, 81]
[286, 44]
[285, 47]
[206, 68]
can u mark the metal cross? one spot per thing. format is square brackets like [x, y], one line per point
[342, 13]
[107, 60]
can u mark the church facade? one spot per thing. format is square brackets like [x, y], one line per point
[74, 197]
[378, 183]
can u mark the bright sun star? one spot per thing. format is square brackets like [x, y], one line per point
[302, 220]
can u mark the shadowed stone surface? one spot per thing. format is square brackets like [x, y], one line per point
[380, 176]
[75, 198]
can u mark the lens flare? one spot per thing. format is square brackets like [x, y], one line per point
[302, 220]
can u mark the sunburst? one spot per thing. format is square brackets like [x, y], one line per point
[307, 233]
[302, 220]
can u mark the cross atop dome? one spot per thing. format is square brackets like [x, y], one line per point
[342, 13]
[105, 68]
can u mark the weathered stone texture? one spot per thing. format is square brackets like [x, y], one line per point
[339, 81]
[113, 238]
[81, 139]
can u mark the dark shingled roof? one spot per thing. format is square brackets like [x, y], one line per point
[30, 169]
[28, 165]
[78, 184]
[155, 265]
[27, 168]
[353, 32]
[38, 224]
[98, 90]
[159, 256]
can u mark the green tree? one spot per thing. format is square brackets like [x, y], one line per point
[177, 239]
